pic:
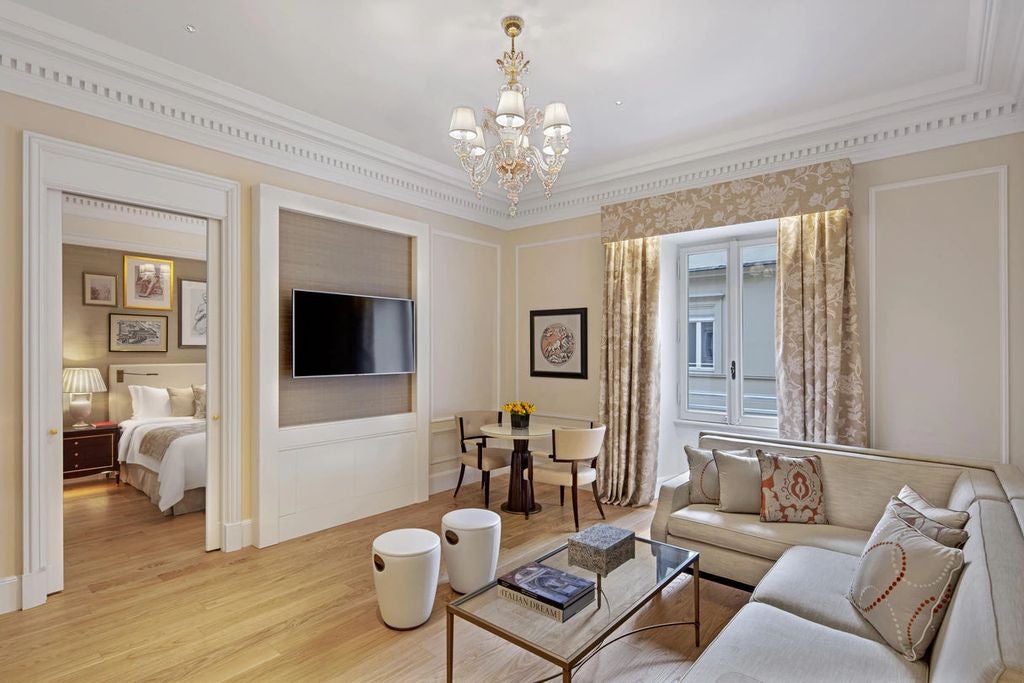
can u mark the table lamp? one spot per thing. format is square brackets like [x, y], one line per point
[82, 383]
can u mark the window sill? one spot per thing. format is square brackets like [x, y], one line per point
[728, 428]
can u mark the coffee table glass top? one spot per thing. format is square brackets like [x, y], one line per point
[624, 590]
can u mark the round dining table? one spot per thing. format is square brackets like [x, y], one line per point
[520, 495]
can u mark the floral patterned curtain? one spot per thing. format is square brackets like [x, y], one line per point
[817, 342]
[630, 367]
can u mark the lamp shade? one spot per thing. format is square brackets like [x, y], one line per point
[83, 381]
[463, 125]
[556, 120]
[478, 147]
[511, 112]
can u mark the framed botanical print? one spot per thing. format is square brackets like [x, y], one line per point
[192, 313]
[138, 332]
[558, 343]
[148, 283]
[99, 289]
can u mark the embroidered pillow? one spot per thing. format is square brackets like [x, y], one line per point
[791, 489]
[704, 473]
[738, 480]
[947, 536]
[953, 518]
[200, 392]
[903, 584]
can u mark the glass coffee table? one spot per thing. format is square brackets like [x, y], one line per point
[625, 590]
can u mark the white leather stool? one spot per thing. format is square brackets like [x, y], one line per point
[470, 543]
[406, 563]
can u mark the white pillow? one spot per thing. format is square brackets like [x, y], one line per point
[951, 518]
[149, 401]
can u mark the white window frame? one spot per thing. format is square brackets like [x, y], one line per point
[727, 343]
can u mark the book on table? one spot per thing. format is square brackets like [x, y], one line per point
[547, 590]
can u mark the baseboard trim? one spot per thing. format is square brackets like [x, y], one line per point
[10, 594]
[446, 481]
[237, 535]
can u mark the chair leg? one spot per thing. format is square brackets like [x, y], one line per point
[462, 473]
[597, 499]
[575, 509]
[487, 489]
[561, 496]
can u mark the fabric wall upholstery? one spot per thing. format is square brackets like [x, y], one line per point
[797, 191]
[630, 367]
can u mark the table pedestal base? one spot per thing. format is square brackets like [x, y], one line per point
[535, 509]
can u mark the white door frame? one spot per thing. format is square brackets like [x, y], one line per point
[52, 167]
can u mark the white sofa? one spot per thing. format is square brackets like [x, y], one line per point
[799, 626]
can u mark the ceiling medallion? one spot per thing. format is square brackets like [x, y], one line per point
[512, 157]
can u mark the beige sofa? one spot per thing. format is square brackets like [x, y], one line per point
[799, 626]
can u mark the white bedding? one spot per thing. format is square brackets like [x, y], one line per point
[183, 466]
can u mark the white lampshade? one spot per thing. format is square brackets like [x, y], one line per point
[463, 125]
[83, 381]
[478, 147]
[511, 112]
[556, 120]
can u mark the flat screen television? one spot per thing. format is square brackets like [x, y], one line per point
[336, 334]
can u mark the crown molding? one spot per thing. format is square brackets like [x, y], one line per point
[116, 212]
[55, 62]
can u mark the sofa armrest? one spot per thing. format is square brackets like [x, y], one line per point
[674, 495]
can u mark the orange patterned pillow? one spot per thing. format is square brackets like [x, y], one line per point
[791, 489]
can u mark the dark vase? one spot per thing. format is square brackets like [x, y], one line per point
[520, 421]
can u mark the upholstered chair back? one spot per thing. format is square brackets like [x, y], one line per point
[469, 422]
[577, 444]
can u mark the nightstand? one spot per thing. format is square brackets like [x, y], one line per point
[91, 451]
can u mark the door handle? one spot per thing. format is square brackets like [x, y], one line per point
[53, 431]
[732, 370]
[215, 417]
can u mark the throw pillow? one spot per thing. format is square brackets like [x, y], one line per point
[182, 401]
[739, 483]
[947, 536]
[903, 584]
[704, 473]
[200, 392]
[791, 489]
[953, 518]
[149, 402]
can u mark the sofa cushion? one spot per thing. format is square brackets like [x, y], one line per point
[739, 482]
[747, 533]
[813, 583]
[791, 489]
[904, 583]
[704, 473]
[954, 518]
[763, 643]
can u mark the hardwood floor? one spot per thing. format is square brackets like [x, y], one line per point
[143, 601]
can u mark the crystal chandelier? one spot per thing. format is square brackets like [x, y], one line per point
[512, 157]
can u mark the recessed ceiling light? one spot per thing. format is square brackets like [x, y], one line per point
[190, 28]
[618, 103]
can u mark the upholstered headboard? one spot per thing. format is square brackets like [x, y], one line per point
[151, 375]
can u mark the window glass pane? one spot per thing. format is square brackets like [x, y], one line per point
[706, 287]
[759, 266]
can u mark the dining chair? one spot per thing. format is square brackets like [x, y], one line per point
[485, 458]
[572, 462]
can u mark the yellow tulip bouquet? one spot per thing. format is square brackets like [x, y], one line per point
[520, 412]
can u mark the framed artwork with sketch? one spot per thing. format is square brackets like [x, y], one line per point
[130, 332]
[148, 283]
[99, 289]
[558, 343]
[193, 314]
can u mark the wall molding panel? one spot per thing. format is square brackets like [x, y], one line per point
[55, 62]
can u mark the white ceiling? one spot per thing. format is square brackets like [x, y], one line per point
[701, 79]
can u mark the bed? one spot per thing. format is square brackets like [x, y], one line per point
[162, 456]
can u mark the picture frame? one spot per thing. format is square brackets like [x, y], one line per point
[148, 283]
[138, 333]
[558, 343]
[192, 314]
[99, 289]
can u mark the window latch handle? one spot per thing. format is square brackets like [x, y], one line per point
[732, 369]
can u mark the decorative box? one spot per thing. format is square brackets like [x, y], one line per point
[601, 548]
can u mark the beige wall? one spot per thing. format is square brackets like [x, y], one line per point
[19, 114]
[87, 330]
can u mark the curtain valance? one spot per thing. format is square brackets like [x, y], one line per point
[797, 191]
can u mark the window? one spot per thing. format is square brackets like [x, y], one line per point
[728, 294]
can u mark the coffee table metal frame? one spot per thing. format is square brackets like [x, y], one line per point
[568, 664]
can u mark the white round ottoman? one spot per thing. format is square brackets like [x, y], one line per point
[470, 542]
[406, 563]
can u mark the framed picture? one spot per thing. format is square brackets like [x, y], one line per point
[192, 313]
[138, 332]
[558, 343]
[148, 283]
[99, 289]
